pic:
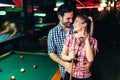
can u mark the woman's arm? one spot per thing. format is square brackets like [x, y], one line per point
[65, 55]
[90, 52]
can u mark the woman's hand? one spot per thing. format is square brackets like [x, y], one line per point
[71, 56]
[68, 66]
[85, 35]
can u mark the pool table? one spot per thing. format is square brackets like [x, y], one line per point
[15, 41]
[11, 63]
[44, 24]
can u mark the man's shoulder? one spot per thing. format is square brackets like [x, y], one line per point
[55, 28]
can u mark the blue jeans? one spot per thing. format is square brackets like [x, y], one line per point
[67, 76]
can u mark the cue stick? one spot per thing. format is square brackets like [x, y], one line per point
[71, 71]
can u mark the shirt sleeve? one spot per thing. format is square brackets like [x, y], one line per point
[50, 43]
[95, 43]
[67, 40]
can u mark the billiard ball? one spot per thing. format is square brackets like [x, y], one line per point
[0, 69]
[34, 66]
[12, 78]
[21, 56]
[22, 70]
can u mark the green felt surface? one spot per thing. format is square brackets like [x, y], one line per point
[11, 65]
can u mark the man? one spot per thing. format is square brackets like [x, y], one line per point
[57, 35]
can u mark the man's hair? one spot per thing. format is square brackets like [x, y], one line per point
[64, 9]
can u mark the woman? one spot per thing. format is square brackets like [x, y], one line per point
[81, 48]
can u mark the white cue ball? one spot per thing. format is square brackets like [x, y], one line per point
[12, 78]
[22, 70]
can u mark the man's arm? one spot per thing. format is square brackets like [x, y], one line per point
[4, 31]
[14, 32]
[55, 58]
[66, 65]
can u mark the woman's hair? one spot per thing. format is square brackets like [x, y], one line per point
[86, 20]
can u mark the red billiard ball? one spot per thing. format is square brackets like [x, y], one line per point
[21, 56]
[34, 66]
[12, 78]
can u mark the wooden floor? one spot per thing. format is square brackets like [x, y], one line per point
[57, 75]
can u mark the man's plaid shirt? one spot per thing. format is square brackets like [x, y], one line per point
[55, 41]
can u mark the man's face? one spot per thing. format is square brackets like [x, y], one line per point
[67, 19]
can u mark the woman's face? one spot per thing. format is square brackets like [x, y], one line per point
[79, 24]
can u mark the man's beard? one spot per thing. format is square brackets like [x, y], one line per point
[67, 25]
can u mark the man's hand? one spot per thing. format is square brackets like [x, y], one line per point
[68, 66]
